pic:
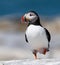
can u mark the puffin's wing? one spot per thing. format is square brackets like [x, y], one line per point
[48, 35]
[26, 38]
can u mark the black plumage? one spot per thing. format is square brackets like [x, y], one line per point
[26, 38]
[48, 37]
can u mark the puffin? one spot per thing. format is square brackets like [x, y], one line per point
[36, 35]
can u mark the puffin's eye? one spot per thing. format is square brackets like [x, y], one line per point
[31, 15]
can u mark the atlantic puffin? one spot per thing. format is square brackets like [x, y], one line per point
[36, 35]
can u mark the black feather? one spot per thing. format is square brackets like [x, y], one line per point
[26, 38]
[48, 37]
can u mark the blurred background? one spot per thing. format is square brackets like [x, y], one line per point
[12, 31]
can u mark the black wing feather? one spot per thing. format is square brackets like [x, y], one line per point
[26, 38]
[48, 35]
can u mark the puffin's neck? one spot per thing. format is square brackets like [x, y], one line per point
[37, 22]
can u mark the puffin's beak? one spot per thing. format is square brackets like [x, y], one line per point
[24, 19]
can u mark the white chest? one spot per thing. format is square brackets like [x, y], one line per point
[34, 31]
[36, 36]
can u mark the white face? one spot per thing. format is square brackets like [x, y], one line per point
[30, 16]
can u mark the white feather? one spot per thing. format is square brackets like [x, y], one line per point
[31, 18]
[37, 37]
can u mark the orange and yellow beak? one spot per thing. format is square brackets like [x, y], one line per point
[24, 19]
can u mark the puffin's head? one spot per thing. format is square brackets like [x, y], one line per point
[30, 17]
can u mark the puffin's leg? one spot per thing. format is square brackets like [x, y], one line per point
[35, 54]
[42, 50]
